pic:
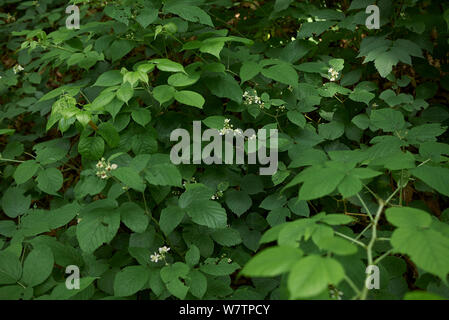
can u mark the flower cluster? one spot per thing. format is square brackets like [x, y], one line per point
[281, 108]
[223, 257]
[217, 195]
[228, 128]
[335, 293]
[156, 257]
[17, 68]
[333, 74]
[253, 98]
[104, 168]
[192, 180]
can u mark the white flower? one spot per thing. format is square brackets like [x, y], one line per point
[229, 260]
[113, 166]
[17, 68]
[164, 249]
[333, 74]
[155, 257]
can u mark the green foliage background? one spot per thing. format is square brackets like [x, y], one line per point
[363, 173]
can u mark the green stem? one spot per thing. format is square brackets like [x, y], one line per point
[352, 285]
[369, 247]
[350, 239]
[365, 206]
[380, 258]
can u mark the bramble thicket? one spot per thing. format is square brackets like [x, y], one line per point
[358, 205]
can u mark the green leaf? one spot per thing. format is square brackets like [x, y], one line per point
[25, 171]
[422, 295]
[207, 213]
[10, 268]
[427, 248]
[222, 268]
[384, 63]
[60, 292]
[183, 80]
[297, 118]
[249, 70]
[50, 180]
[163, 93]
[171, 275]
[193, 255]
[435, 177]
[189, 12]
[189, 98]
[212, 46]
[141, 116]
[273, 201]
[408, 217]
[109, 134]
[130, 280]
[280, 5]
[163, 174]
[361, 121]
[336, 245]
[322, 183]
[238, 201]
[14, 203]
[388, 120]
[170, 218]
[349, 186]
[130, 177]
[197, 283]
[147, 16]
[224, 86]
[91, 147]
[97, 227]
[361, 95]
[332, 130]
[168, 65]
[120, 48]
[134, 217]
[102, 100]
[283, 73]
[7, 131]
[312, 275]
[125, 92]
[336, 219]
[226, 237]
[214, 122]
[272, 262]
[315, 28]
[109, 79]
[38, 266]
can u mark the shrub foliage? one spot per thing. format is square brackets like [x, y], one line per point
[86, 177]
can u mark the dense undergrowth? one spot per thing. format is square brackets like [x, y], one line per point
[86, 178]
